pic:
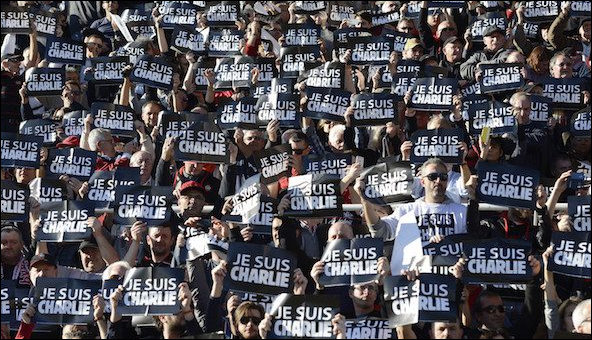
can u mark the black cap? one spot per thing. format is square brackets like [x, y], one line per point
[452, 40]
[42, 257]
[88, 244]
[489, 30]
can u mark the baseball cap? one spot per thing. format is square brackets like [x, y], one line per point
[489, 30]
[192, 185]
[412, 43]
[88, 244]
[452, 40]
[43, 257]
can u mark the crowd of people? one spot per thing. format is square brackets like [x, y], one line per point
[438, 39]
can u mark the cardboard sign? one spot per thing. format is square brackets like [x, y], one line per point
[267, 69]
[433, 94]
[486, 20]
[73, 122]
[133, 50]
[580, 123]
[368, 328]
[185, 39]
[21, 302]
[175, 124]
[440, 143]
[498, 116]
[273, 163]
[541, 11]
[402, 298]
[62, 301]
[199, 244]
[222, 13]
[540, 111]
[314, 195]
[65, 221]
[49, 190]
[7, 296]
[246, 201]
[350, 262]
[302, 34]
[203, 63]
[74, 162]
[257, 268]
[108, 70]
[578, 208]
[388, 183]
[329, 104]
[571, 254]
[262, 222]
[15, 20]
[45, 81]
[380, 18]
[371, 50]
[341, 38]
[202, 143]
[119, 119]
[468, 103]
[139, 22]
[294, 58]
[45, 22]
[437, 298]
[20, 151]
[238, 114]
[178, 13]
[151, 291]
[15, 202]
[497, 261]
[264, 300]
[153, 72]
[309, 7]
[283, 107]
[65, 51]
[580, 9]
[497, 78]
[451, 245]
[329, 164]
[402, 83]
[339, 11]
[566, 93]
[233, 73]
[224, 42]
[102, 184]
[151, 205]
[303, 316]
[507, 185]
[329, 75]
[400, 39]
[43, 128]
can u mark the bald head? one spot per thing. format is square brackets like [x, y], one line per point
[340, 230]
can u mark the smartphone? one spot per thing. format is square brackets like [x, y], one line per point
[576, 180]
[485, 134]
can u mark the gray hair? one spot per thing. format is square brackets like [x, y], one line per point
[98, 135]
[517, 95]
[437, 161]
[138, 154]
[557, 55]
[107, 272]
[581, 313]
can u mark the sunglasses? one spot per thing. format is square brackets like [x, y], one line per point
[491, 309]
[435, 175]
[246, 319]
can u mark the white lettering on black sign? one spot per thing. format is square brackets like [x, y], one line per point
[42, 81]
[155, 72]
[507, 185]
[566, 93]
[117, 118]
[225, 42]
[280, 106]
[64, 51]
[433, 93]
[497, 261]
[349, 262]
[20, 150]
[222, 13]
[328, 104]
[317, 195]
[65, 221]
[151, 291]
[303, 316]
[579, 210]
[15, 199]
[441, 143]
[294, 58]
[500, 77]
[580, 123]
[187, 39]
[388, 183]
[571, 254]
[541, 11]
[65, 301]
[496, 115]
[15, 20]
[74, 162]
[137, 203]
[402, 298]
[302, 35]
[109, 69]
[273, 163]
[175, 13]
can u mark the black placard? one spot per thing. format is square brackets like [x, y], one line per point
[175, 124]
[43, 128]
[350, 262]
[262, 222]
[119, 119]
[571, 255]
[178, 13]
[203, 63]
[433, 94]
[203, 143]
[303, 316]
[74, 162]
[64, 301]
[65, 51]
[267, 69]
[402, 298]
[273, 164]
[329, 104]
[153, 72]
[134, 50]
[371, 50]
[246, 202]
[108, 70]
[73, 122]
[102, 184]
[437, 298]
[486, 20]
[440, 143]
[264, 300]
[15, 20]
[388, 183]
[470, 100]
[341, 38]
[151, 291]
[224, 42]
[45, 22]
[15, 202]
[368, 328]
[580, 9]
[281, 106]
[507, 185]
[540, 111]
[380, 18]
[302, 34]
[497, 261]
[578, 208]
[45, 81]
[339, 11]
[496, 115]
[233, 73]
[7, 293]
[185, 39]
[541, 11]
[330, 75]
[330, 164]
[385, 78]
[139, 22]
[257, 268]
[500, 77]
[566, 93]
[315, 195]
[151, 205]
[402, 83]
[49, 190]
[580, 123]
[294, 58]
[65, 221]
[309, 7]
[238, 114]
[451, 245]
[222, 13]
[20, 151]
[400, 39]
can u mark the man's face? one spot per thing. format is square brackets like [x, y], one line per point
[12, 246]
[494, 42]
[405, 26]
[446, 30]
[91, 259]
[160, 240]
[11, 65]
[248, 325]
[145, 163]
[111, 6]
[340, 231]
[521, 108]
[94, 46]
[24, 175]
[193, 168]
[453, 52]
[71, 93]
[562, 68]
[254, 140]
[585, 31]
[364, 295]
[435, 188]
[336, 141]
[42, 269]
[150, 115]
[191, 202]
[414, 53]
[493, 313]
[107, 146]
[446, 330]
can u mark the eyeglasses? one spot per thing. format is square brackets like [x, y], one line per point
[492, 308]
[246, 319]
[435, 175]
